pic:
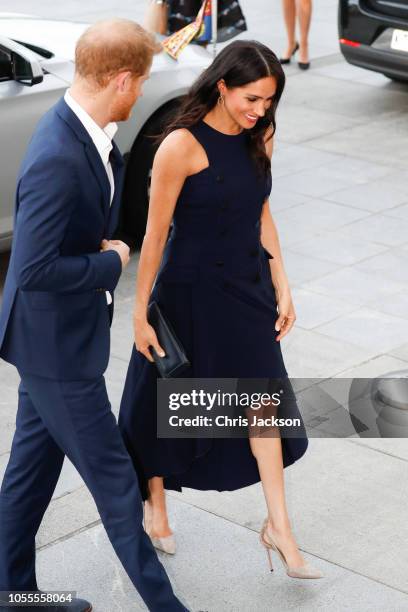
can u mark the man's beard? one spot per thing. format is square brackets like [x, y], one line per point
[121, 111]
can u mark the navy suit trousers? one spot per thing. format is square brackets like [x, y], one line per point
[74, 418]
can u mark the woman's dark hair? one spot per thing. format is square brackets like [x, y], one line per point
[239, 63]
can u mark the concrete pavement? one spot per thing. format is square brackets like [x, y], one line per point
[340, 201]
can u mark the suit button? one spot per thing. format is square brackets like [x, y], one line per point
[219, 263]
[224, 206]
[219, 178]
[226, 285]
[224, 231]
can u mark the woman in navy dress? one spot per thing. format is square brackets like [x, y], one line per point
[222, 285]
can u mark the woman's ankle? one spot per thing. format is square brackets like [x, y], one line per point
[279, 528]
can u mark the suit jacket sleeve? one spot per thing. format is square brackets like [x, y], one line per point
[47, 196]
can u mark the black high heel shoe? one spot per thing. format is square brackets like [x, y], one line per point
[286, 60]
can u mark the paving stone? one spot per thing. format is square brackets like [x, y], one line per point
[354, 286]
[219, 566]
[313, 309]
[368, 328]
[340, 249]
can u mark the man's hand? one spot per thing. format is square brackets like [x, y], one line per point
[120, 247]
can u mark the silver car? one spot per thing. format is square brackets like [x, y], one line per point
[37, 65]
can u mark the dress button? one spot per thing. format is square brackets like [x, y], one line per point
[226, 285]
[224, 231]
[253, 252]
[257, 278]
[224, 206]
[219, 263]
[219, 178]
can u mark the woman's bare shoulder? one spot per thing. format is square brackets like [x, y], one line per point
[180, 140]
[180, 147]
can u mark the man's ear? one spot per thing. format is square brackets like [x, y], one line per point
[122, 80]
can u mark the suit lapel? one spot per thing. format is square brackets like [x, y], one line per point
[101, 175]
[94, 159]
[118, 168]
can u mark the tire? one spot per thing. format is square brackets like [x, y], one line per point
[136, 190]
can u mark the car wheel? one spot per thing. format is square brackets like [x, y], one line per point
[136, 191]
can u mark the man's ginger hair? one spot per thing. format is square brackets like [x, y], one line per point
[112, 46]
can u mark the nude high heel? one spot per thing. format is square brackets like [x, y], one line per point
[304, 571]
[166, 544]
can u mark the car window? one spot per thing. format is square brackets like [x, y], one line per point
[5, 65]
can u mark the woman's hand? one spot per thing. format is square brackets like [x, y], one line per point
[145, 336]
[287, 315]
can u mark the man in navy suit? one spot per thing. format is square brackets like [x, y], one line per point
[55, 320]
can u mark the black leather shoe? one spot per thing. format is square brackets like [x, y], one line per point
[286, 60]
[76, 605]
[303, 65]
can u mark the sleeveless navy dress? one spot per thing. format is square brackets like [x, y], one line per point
[215, 287]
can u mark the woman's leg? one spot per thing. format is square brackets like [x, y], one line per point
[304, 13]
[156, 519]
[289, 14]
[268, 453]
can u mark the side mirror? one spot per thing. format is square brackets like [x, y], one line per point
[26, 71]
[25, 67]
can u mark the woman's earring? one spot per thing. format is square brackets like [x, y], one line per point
[221, 99]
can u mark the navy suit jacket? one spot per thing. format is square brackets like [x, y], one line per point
[55, 320]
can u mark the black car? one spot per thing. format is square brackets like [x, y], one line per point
[374, 35]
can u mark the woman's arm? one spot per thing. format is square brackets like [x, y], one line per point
[170, 168]
[270, 241]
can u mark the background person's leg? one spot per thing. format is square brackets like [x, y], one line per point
[304, 15]
[28, 485]
[289, 14]
[78, 415]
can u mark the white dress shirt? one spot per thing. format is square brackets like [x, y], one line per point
[102, 139]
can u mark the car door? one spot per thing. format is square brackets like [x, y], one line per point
[21, 107]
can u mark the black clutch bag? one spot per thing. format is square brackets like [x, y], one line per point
[175, 360]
